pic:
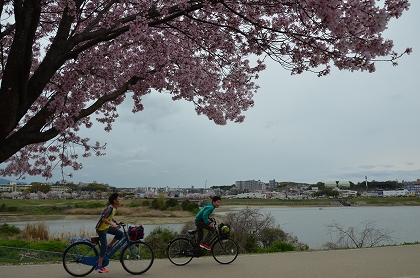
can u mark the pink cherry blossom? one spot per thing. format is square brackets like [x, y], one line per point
[66, 64]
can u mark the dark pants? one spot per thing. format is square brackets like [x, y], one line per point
[102, 238]
[200, 230]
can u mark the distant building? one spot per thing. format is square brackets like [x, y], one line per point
[240, 185]
[59, 189]
[250, 185]
[348, 193]
[272, 184]
[413, 187]
[393, 193]
[14, 187]
[255, 195]
[6, 188]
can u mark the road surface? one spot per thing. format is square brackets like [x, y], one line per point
[378, 262]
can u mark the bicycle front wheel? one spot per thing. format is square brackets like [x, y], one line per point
[224, 250]
[137, 257]
[75, 257]
[180, 251]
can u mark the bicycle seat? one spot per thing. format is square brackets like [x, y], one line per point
[191, 232]
[94, 239]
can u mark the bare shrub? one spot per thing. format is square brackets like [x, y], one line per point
[249, 228]
[248, 223]
[158, 240]
[271, 235]
[255, 231]
[365, 235]
[39, 231]
[35, 231]
[83, 233]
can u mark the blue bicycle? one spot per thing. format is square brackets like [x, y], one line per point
[81, 256]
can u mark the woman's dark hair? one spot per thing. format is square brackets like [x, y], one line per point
[112, 198]
[215, 198]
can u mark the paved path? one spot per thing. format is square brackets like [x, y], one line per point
[379, 262]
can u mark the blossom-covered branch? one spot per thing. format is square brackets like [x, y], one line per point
[64, 61]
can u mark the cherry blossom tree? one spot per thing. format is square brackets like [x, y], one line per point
[66, 64]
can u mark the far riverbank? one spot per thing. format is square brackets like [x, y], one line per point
[146, 220]
[144, 215]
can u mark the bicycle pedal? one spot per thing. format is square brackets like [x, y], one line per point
[197, 253]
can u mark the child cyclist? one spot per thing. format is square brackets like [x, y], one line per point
[108, 225]
[202, 222]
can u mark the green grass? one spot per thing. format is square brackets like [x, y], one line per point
[22, 251]
[375, 201]
[53, 246]
[46, 207]
[276, 202]
[60, 203]
[389, 201]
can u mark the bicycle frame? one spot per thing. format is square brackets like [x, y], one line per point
[192, 236]
[216, 234]
[93, 260]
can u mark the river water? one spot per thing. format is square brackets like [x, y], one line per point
[309, 225]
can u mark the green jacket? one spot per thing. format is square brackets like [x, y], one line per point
[204, 213]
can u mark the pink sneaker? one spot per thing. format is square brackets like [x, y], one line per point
[101, 269]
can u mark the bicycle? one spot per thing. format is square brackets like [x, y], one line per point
[81, 256]
[182, 249]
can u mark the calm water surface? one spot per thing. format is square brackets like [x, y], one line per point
[308, 224]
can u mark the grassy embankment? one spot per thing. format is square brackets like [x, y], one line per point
[129, 210]
[379, 201]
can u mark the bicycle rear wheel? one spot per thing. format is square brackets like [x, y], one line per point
[74, 257]
[224, 250]
[137, 257]
[180, 251]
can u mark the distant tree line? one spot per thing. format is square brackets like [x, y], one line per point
[163, 203]
[90, 187]
[371, 185]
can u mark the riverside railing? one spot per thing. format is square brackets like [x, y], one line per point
[25, 255]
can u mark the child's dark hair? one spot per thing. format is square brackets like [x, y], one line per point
[215, 198]
[112, 198]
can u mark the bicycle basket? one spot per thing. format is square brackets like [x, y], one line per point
[224, 230]
[135, 233]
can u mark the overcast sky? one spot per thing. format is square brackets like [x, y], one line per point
[302, 129]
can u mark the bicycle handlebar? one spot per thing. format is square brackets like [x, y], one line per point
[212, 220]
